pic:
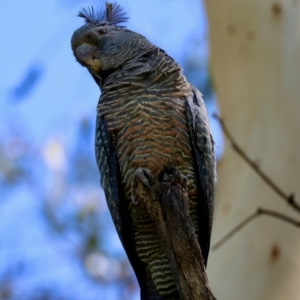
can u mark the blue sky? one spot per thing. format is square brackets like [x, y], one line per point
[45, 93]
[37, 35]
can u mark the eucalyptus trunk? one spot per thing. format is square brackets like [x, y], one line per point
[255, 62]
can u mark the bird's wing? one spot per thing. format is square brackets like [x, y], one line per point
[204, 156]
[112, 185]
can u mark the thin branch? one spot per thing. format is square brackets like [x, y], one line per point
[277, 215]
[290, 199]
[259, 212]
[234, 231]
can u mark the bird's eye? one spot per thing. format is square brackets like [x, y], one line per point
[101, 31]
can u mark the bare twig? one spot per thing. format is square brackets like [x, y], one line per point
[290, 199]
[259, 212]
[278, 215]
[234, 231]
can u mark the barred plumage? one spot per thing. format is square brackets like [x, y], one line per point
[149, 117]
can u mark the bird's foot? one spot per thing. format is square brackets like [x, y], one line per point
[172, 176]
[141, 178]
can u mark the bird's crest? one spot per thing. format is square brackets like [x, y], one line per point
[112, 15]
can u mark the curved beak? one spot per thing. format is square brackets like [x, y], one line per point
[87, 54]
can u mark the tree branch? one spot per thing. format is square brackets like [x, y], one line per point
[234, 231]
[167, 203]
[259, 212]
[290, 199]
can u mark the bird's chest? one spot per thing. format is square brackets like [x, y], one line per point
[149, 132]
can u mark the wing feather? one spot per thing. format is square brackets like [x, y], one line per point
[111, 183]
[204, 156]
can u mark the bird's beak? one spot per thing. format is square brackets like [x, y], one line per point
[86, 54]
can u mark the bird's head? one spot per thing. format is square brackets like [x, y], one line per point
[101, 45]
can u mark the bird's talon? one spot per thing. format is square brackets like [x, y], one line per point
[135, 202]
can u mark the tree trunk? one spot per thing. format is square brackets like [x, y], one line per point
[255, 60]
[167, 203]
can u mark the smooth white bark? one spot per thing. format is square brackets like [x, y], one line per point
[255, 60]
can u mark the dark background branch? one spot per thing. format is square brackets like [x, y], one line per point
[259, 212]
[289, 199]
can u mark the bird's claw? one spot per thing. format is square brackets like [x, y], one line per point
[171, 175]
[141, 175]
